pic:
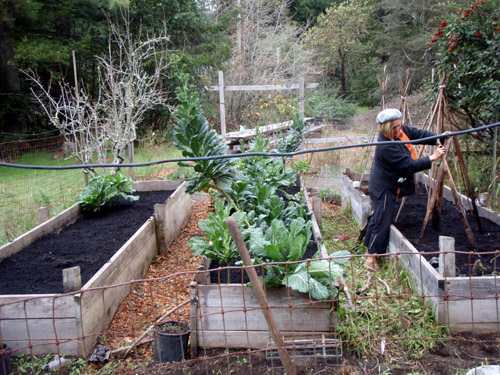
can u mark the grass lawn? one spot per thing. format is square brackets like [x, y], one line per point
[22, 191]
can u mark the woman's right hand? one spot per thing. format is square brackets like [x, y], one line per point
[438, 153]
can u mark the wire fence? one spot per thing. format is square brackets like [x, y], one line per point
[24, 191]
[372, 324]
[406, 313]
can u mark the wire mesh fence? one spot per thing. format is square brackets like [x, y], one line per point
[24, 191]
[380, 320]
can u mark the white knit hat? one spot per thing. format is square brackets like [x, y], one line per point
[388, 115]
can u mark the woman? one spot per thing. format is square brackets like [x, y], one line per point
[392, 176]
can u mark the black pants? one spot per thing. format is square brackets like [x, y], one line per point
[377, 231]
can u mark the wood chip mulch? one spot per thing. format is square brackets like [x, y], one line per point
[168, 288]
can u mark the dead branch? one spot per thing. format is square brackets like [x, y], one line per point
[387, 288]
[365, 287]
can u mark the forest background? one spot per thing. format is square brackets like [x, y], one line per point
[344, 45]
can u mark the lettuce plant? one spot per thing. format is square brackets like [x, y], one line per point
[103, 190]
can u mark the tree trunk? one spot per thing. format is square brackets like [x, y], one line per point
[10, 77]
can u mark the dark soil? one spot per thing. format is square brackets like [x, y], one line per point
[237, 274]
[89, 243]
[410, 224]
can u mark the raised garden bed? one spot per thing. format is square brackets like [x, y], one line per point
[354, 192]
[465, 300]
[69, 323]
[228, 315]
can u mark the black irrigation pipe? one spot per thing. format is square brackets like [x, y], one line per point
[247, 154]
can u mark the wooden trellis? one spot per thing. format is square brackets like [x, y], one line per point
[435, 195]
[300, 87]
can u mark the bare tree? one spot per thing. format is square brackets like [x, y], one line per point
[76, 117]
[127, 90]
[267, 50]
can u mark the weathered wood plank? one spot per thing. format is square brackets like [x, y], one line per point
[236, 295]
[39, 307]
[298, 319]
[52, 225]
[48, 329]
[426, 279]
[360, 203]
[129, 263]
[156, 185]
[478, 287]
[40, 347]
[292, 86]
[471, 312]
[177, 213]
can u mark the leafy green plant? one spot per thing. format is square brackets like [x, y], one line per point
[44, 199]
[274, 232]
[193, 136]
[220, 245]
[286, 245]
[103, 190]
[466, 45]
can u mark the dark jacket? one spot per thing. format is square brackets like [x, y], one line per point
[393, 161]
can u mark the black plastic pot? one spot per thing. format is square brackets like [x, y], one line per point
[5, 367]
[171, 346]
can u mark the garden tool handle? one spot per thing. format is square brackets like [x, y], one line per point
[232, 225]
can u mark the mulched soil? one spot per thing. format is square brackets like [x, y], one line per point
[468, 261]
[89, 243]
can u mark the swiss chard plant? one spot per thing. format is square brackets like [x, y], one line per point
[103, 190]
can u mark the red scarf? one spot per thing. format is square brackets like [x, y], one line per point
[404, 137]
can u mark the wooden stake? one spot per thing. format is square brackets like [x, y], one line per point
[447, 256]
[43, 214]
[433, 194]
[72, 280]
[460, 207]
[232, 225]
[470, 191]
[317, 209]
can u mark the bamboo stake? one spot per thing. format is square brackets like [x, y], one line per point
[232, 225]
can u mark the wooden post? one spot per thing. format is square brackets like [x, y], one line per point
[222, 106]
[72, 280]
[446, 256]
[159, 216]
[470, 190]
[232, 225]
[130, 149]
[43, 214]
[317, 209]
[302, 91]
